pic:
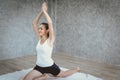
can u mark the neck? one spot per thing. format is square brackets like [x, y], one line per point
[44, 37]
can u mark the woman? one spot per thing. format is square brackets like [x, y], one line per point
[45, 63]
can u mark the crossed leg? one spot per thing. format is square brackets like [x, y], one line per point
[35, 75]
[45, 77]
[61, 74]
[32, 75]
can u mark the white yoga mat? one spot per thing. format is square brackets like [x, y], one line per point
[18, 75]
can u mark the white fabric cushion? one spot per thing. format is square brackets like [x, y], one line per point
[19, 75]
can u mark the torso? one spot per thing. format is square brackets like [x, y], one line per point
[44, 53]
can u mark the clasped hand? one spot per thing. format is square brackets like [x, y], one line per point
[44, 6]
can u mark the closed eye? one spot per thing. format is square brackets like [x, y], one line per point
[40, 28]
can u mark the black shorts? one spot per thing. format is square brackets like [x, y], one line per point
[54, 69]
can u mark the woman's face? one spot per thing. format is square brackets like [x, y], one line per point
[42, 31]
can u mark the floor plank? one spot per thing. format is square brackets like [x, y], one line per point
[104, 71]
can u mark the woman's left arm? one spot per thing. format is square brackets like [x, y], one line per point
[50, 23]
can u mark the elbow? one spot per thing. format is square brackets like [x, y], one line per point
[50, 22]
[34, 23]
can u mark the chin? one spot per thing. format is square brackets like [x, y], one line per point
[41, 35]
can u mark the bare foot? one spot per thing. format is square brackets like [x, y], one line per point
[49, 77]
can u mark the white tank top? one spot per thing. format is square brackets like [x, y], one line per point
[44, 54]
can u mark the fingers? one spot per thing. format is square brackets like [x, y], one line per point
[44, 3]
[44, 6]
[44, 0]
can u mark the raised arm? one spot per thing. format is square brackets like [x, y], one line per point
[50, 23]
[35, 23]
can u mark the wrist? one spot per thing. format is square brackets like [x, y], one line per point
[44, 11]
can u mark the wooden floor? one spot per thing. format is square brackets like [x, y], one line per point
[104, 71]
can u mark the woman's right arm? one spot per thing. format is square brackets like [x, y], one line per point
[35, 23]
